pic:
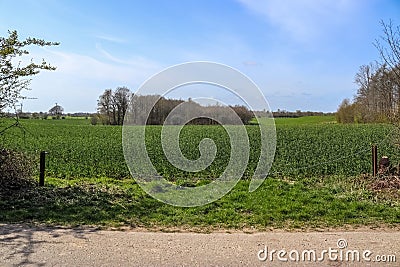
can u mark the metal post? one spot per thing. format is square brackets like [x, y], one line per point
[42, 167]
[374, 160]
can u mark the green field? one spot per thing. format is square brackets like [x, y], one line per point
[315, 181]
[80, 150]
[305, 120]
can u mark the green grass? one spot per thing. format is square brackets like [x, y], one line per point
[329, 202]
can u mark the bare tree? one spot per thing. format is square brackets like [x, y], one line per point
[121, 99]
[378, 95]
[389, 47]
[113, 106]
[106, 107]
[366, 91]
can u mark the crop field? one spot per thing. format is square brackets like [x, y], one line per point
[316, 178]
[80, 150]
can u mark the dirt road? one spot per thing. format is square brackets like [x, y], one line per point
[21, 245]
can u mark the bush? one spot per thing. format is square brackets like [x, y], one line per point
[16, 170]
[348, 112]
[94, 120]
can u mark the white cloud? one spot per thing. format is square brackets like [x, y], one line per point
[134, 61]
[303, 20]
[86, 67]
[80, 79]
[112, 39]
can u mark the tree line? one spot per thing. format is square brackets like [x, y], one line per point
[378, 94]
[290, 114]
[113, 105]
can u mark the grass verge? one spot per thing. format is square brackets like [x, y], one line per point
[317, 202]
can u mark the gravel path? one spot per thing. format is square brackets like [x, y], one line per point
[21, 245]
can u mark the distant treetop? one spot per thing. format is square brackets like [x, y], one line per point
[57, 110]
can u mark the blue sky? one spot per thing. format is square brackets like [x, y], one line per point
[302, 54]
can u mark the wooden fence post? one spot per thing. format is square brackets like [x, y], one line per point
[374, 160]
[42, 167]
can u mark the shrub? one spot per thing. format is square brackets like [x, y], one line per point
[16, 170]
[94, 120]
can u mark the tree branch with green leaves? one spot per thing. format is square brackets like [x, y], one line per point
[14, 75]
